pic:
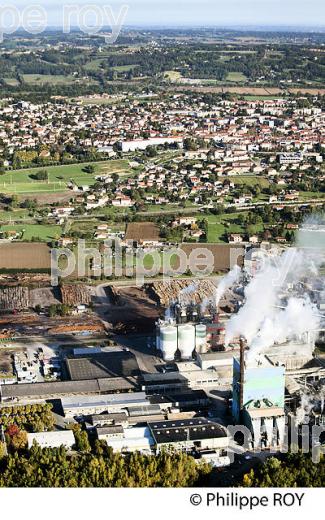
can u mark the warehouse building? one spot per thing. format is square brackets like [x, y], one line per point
[51, 439]
[197, 434]
[90, 405]
[109, 419]
[127, 439]
[103, 365]
[58, 389]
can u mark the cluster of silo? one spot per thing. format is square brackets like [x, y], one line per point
[185, 339]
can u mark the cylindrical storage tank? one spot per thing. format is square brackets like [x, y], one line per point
[200, 337]
[168, 342]
[186, 340]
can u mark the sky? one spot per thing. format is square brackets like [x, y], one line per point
[300, 13]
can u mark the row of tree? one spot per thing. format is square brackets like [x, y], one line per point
[55, 467]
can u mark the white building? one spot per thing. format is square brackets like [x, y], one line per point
[51, 439]
[142, 144]
[128, 439]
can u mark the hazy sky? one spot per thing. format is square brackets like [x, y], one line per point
[202, 12]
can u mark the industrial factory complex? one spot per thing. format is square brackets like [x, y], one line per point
[223, 353]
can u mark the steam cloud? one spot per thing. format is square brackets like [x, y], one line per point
[226, 282]
[259, 320]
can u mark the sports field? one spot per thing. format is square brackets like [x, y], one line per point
[22, 181]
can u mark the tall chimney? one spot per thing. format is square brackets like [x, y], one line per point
[242, 373]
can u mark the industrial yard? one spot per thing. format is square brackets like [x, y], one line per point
[133, 364]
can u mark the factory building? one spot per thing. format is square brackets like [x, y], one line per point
[258, 400]
[51, 439]
[89, 405]
[109, 419]
[196, 434]
[127, 439]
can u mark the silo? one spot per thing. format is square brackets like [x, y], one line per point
[200, 337]
[186, 340]
[168, 342]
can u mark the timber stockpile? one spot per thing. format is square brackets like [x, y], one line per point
[187, 291]
[26, 279]
[75, 295]
[14, 298]
[78, 328]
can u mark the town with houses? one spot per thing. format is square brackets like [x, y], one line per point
[183, 150]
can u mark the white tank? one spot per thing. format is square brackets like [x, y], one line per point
[201, 338]
[200, 334]
[168, 342]
[186, 340]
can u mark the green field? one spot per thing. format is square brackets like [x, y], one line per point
[262, 98]
[123, 68]
[9, 216]
[11, 82]
[219, 225]
[21, 181]
[36, 79]
[236, 77]
[36, 231]
[250, 180]
[307, 195]
[94, 65]
[172, 75]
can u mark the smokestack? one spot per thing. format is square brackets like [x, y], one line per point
[242, 372]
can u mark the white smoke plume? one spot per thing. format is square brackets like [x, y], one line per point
[299, 318]
[306, 405]
[205, 304]
[226, 282]
[186, 292]
[258, 320]
[261, 295]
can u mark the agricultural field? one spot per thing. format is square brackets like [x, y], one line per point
[24, 255]
[59, 79]
[22, 182]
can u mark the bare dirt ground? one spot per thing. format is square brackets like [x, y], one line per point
[252, 91]
[127, 310]
[44, 296]
[24, 255]
[48, 198]
[6, 368]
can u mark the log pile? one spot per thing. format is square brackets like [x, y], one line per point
[77, 328]
[14, 298]
[185, 291]
[75, 295]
